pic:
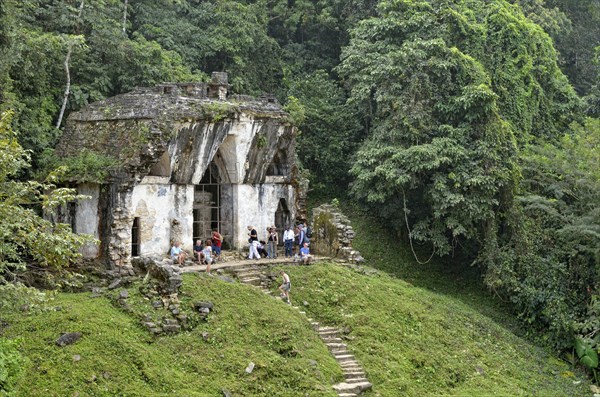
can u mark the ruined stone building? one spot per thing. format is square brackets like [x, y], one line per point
[180, 160]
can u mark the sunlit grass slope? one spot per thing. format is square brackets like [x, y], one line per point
[418, 330]
[120, 358]
[415, 342]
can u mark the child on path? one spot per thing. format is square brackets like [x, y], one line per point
[207, 251]
[285, 287]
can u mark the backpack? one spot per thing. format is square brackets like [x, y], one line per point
[308, 232]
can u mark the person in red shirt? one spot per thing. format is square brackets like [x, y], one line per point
[217, 240]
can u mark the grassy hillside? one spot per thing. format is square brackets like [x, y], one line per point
[433, 334]
[119, 357]
[415, 342]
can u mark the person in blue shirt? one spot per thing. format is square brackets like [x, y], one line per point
[300, 236]
[305, 255]
[178, 254]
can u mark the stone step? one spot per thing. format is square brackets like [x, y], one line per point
[355, 388]
[333, 345]
[339, 350]
[352, 370]
[326, 340]
[244, 268]
[357, 380]
[325, 329]
[327, 333]
[344, 357]
[250, 280]
[358, 375]
[248, 274]
[350, 364]
[347, 394]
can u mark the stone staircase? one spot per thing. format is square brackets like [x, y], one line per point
[355, 378]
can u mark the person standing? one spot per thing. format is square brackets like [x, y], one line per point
[217, 240]
[301, 237]
[285, 287]
[253, 236]
[208, 257]
[288, 241]
[272, 242]
[253, 241]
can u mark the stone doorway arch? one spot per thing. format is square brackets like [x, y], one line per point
[282, 218]
[213, 203]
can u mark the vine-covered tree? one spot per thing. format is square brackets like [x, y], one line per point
[24, 235]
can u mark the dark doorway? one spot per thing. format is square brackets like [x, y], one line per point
[207, 204]
[135, 237]
[282, 219]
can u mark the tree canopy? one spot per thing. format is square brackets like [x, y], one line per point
[470, 127]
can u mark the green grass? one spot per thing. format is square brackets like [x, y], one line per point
[418, 330]
[119, 357]
[415, 342]
[453, 277]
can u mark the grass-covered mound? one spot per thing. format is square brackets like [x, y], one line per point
[415, 342]
[119, 357]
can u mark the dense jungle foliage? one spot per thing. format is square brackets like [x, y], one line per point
[470, 127]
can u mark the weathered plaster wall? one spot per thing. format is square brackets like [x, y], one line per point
[256, 206]
[194, 147]
[157, 203]
[86, 217]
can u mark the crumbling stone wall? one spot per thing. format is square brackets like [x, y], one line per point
[333, 234]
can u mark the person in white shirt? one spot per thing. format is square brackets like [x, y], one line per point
[288, 241]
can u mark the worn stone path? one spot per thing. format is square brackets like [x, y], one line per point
[250, 272]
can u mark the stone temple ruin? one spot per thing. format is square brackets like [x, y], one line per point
[185, 159]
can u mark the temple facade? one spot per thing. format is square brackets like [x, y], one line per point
[177, 161]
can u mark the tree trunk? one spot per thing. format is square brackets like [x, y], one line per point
[125, 17]
[68, 73]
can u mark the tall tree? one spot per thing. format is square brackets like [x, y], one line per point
[577, 46]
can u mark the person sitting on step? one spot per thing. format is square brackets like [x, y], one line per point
[198, 251]
[178, 254]
[305, 255]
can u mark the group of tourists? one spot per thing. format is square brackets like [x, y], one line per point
[209, 251]
[206, 254]
[260, 248]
